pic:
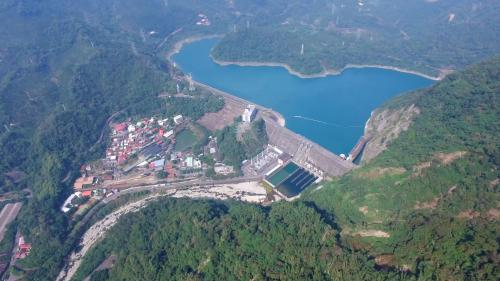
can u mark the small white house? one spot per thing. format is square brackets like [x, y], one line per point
[178, 119]
[168, 134]
[189, 162]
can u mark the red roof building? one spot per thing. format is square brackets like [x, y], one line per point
[87, 193]
[23, 250]
[120, 127]
[25, 247]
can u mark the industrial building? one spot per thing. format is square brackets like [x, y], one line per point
[291, 179]
[249, 113]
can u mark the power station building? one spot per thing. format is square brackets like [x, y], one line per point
[249, 113]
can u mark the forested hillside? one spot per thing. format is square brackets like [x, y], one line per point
[314, 36]
[203, 240]
[68, 66]
[425, 209]
[435, 190]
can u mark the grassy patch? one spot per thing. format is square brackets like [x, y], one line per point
[185, 140]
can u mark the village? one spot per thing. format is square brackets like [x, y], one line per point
[143, 151]
[146, 151]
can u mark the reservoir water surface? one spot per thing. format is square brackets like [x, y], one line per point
[331, 111]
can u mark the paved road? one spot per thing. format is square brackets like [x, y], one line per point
[8, 214]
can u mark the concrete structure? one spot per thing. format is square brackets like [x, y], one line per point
[302, 149]
[358, 148]
[168, 134]
[87, 193]
[158, 164]
[23, 248]
[222, 169]
[120, 127]
[305, 151]
[284, 158]
[249, 113]
[178, 119]
[189, 162]
[66, 207]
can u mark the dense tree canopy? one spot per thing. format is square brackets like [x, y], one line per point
[202, 240]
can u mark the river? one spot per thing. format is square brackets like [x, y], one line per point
[331, 110]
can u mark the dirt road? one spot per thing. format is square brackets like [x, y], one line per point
[8, 214]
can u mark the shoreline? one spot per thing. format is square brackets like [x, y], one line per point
[279, 117]
[177, 48]
[180, 44]
[326, 72]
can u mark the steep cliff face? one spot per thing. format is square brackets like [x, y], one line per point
[384, 126]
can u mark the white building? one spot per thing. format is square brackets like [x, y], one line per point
[169, 134]
[163, 122]
[249, 113]
[178, 119]
[189, 162]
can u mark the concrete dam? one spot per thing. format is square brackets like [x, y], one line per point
[304, 151]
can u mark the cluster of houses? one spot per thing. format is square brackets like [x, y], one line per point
[128, 138]
[183, 163]
[139, 148]
[150, 142]
[174, 165]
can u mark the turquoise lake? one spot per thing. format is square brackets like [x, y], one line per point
[331, 111]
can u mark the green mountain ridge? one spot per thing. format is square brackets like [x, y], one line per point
[424, 209]
[430, 37]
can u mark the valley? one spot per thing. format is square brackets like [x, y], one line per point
[249, 140]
